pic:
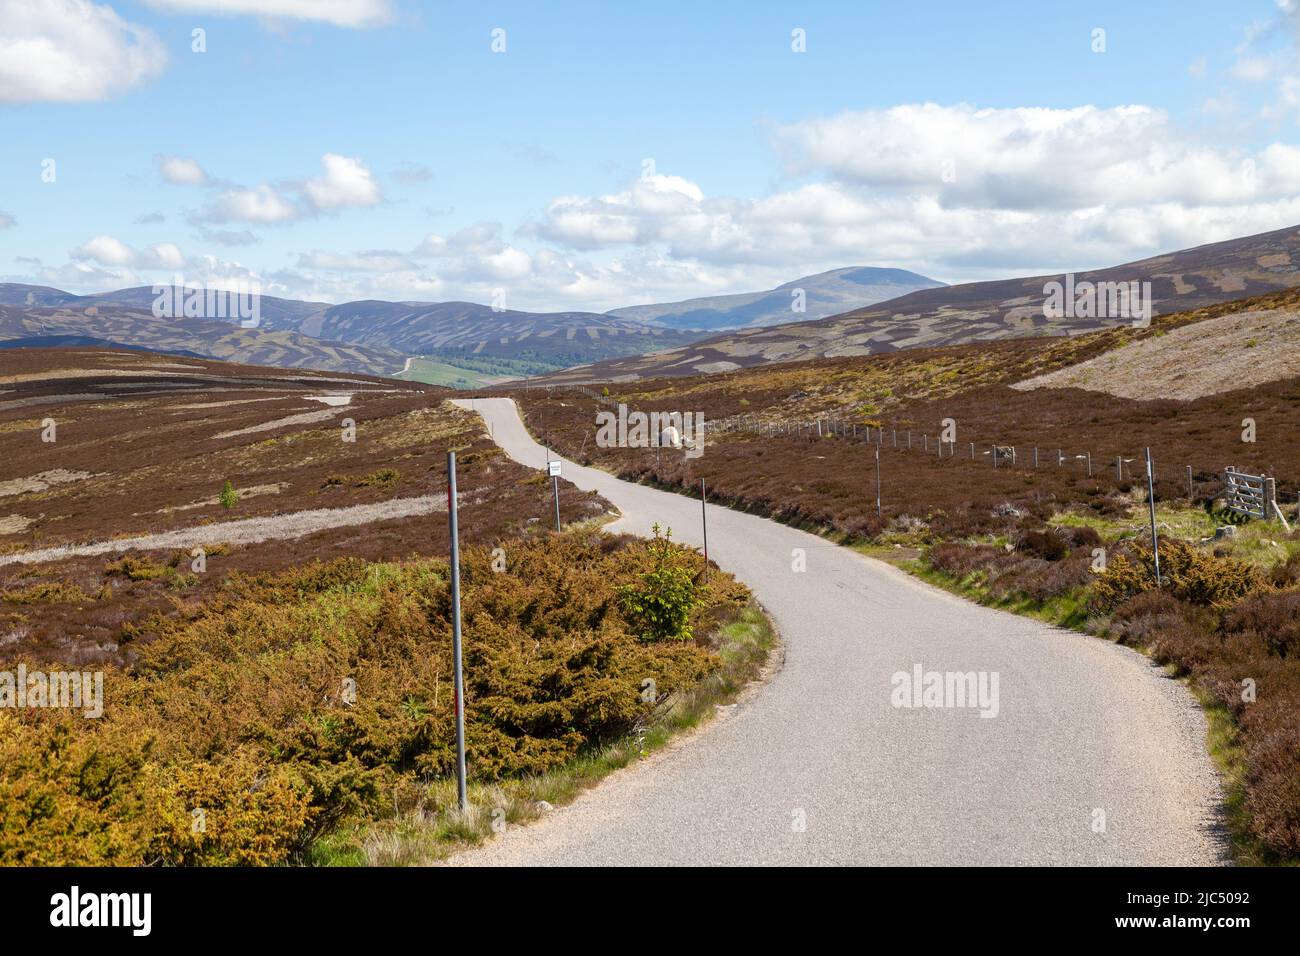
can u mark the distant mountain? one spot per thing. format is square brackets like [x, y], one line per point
[15, 293]
[140, 329]
[376, 336]
[826, 293]
[277, 314]
[524, 342]
[1005, 308]
[452, 330]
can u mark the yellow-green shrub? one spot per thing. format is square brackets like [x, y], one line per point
[243, 706]
[1188, 573]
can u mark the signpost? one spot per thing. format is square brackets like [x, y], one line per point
[458, 676]
[553, 469]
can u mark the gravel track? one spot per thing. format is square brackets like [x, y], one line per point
[295, 524]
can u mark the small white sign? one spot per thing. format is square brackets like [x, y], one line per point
[553, 468]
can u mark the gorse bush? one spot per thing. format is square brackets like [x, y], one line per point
[1188, 573]
[293, 701]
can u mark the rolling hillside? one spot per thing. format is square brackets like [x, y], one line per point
[981, 311]
[140, 329]
[825, 294]
[372, 332]
[452, 331]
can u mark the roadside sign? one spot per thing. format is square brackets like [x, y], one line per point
[553, 468]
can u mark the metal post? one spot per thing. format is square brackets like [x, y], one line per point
[555, 486]
[1151, 500]
[704, 521]
[1191, 495]
[1035, 456]
[1119, 468]
[457, 675]
[877, 481]
[1088, 455]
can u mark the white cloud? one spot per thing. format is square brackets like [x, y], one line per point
[261, 204]
[342, 13]
[1027, 158]
[346, 182]
[112, 252]
[105, 250]
[181, 171]
[958, 193]
[6, 221]
[72, 51]
[633, 216]
[164, 255]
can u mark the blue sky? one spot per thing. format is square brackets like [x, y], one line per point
[621, 153]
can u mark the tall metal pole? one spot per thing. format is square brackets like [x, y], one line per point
[877, 481]
[555, 486]
[704, 521]
[457, 674]
[1151, 500]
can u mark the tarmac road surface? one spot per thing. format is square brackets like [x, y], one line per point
[1093, 757]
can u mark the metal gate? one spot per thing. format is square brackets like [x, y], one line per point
[1249, 495]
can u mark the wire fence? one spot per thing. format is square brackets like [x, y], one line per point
[1120, 468]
